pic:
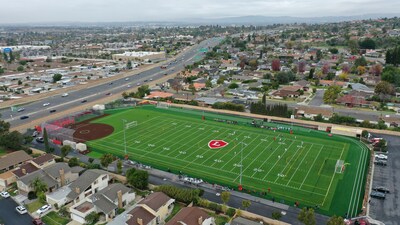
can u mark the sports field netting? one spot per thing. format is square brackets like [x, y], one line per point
[299, 167]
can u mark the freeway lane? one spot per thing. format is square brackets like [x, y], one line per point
[36, 109]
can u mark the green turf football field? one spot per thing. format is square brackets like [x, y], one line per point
[298, 167]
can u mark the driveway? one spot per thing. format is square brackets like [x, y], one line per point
[387, 210]
[318, 99]
[10, 216]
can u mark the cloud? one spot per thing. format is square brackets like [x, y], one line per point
[159, 10]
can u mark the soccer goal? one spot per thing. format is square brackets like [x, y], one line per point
[163, 105]
[339, 168]
[131, 124]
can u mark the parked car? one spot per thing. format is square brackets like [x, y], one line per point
[24, 117]
[46, 104]
[381, 189]
[4, 194]
[377, 194]
[40, 139]
[21, 210]
[380, 162]
[53, 110]
[35, 133]
[20, 109]
[43, 209]
[37, 221]
[381, 156]
[64, 95]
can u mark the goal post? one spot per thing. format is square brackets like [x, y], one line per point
[131, 124]
[163, 105]
[339, 167]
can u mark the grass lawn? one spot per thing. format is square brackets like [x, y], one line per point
[2, 151]
[175, 210]
[52, 218]
[95, 154]
[219, 220]
[297, 166]
[33, 206]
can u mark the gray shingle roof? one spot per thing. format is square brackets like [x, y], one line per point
[13, 159]
[103, 203]
[50, 182]
[54, 170]
[84, 181]
[111, 191]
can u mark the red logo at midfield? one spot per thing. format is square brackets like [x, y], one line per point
[213, 144]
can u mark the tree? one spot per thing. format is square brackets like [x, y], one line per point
[367, 43]
[331, 94]
[38, 186]
[301, 66]
[20, 68]
[343, 76]
[384, 89]
[92, 218]
[221, 80]
[284, 77]
[119, 167]
[276, 215]
[65, 150]
[12, 140]
[376, 69]
[73, 162]
[276, 65]
[208, 84]
[138, 178]
[311, 74]
[325, 68]
[253, 64]
[319, 118]
[307, 216]
[361, 70]
[391, 74]
[365, 134]
[353, 46]
[246, 204]
[334, 50]
[176, 85]
[106, 159]
[46, 141]
[233, 85]
[192, 88]
[129, 65]
[360, 62]
[336, 220]
[57, 77]
[225, 196]
[319, 54]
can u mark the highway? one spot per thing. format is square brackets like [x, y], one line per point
[36, 110]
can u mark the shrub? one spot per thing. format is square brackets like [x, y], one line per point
[31, 195]
[231, 212]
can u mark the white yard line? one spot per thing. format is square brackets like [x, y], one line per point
[299, 165]
[277, 161]
[309, 170]
[297, 153]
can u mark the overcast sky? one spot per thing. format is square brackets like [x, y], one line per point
[17, 11]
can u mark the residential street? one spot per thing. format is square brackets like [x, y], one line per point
[10, 216]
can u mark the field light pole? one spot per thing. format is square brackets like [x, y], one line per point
[124, 122]
[241, 164]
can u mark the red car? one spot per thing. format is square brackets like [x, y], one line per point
[37, 221]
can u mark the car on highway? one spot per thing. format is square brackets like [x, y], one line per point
[138, 84]
[20, 109]
[165, 74]
[217, 194]
[24, 117]
[108, 93]
[4, 194]
[127, 78]
[129, 86]
[111, 83]
[64, 95]
[83, 101]
[377, 194]
[380, 162]
[21, 210]
[46, 104]
[381, 189]
[145, 80]
[53, 111]
[151, 79]
[43, 209]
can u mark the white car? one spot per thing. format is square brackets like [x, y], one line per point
[127, 78]
[381, 156]
[218, 194]
[43, 209]
[46, 104]
[20, 109]
[20, 209]
[64, 95]
[4, 194]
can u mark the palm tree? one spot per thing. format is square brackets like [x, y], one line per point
[38, 186]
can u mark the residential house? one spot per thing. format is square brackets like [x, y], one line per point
[391, 121]
[287, 92]
[153, 209]
[311, 112]
[303, 83]
[43, 161]
[350, 100]
[327, 83]
[6, 179]
[192, 216]
[199, 86]
[13, 160]
[54, 176]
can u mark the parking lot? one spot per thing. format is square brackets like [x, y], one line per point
[387, 210]
[10, 216]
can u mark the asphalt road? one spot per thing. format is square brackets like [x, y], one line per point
[36, 109]
[10, 216]
[387, 210]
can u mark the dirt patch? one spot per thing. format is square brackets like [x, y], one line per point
[86, 131]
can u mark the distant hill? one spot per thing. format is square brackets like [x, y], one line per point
[259, 20]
